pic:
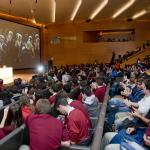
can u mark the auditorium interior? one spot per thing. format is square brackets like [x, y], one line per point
[74, 74]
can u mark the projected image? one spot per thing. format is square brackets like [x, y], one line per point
[19, 45]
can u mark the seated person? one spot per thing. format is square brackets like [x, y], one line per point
[91, 102]
[18, 86]
[66, 77]
[73, 103]
[54, 89]
[75, 93]
[116, 104]
[138, 135]
[2, 133]
[137, 93]
[45, 131]
[5, 95]
[142, 106]
[78, 127]
[67, 87]
[7, 123]
[1, 84]
[26, 107]
[99, 89]
[118, 100]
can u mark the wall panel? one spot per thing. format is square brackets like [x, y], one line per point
[77, 51]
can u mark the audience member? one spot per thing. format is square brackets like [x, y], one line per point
[45, 131]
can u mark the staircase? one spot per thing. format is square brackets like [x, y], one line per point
[133, 59]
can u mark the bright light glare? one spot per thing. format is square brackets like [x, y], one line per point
[40, 68]
[139, 14]
[123, 8]
[53, 10]
[98, 9]
[77, 6]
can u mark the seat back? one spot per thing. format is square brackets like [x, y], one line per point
[13, 140]
[94, 122]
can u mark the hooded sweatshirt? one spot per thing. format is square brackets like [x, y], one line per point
[93, 106]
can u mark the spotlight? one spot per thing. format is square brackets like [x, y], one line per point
[40, 68]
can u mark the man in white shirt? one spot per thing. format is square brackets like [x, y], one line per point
[143, 106]
[66, 78]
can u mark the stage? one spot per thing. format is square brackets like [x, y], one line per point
[25, 74]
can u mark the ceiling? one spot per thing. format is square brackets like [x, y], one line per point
[42, 9]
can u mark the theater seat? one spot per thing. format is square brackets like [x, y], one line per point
[13, 140]
[94, 121]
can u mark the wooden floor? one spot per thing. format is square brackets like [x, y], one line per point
[23, 74]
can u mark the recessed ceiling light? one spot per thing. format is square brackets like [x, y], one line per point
[76, 8]
[139, 14]
[53, 10]
[98, 9]
[123, 8]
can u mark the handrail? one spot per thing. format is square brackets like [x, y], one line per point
[136, 54]
[96, 144]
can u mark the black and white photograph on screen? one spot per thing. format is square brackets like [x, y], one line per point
[19, 45]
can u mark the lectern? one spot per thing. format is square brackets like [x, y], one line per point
[6, 73]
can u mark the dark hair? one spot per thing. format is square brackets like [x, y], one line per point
[1, 81]
[75, 82]
[38, 95]
[17, 81]
[87, 90]
[100, 81]
[45, 93]
[24, 100]
[61, 94]
[147, 84]
[140, 80]
[83, 83]
[56, 87]
[61, 101]
[67, 87]
[119, 88]
[75, 93]
[13, 115]
[42, 106]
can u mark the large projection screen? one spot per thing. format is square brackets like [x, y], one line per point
[19, 45]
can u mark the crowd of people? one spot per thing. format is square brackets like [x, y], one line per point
[129, 108]
[57, 106]
[122, 58]
[53, 102]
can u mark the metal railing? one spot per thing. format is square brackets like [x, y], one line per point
[96, 144]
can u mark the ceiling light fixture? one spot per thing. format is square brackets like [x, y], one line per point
[76, 8]
[123, 8]
[98, 9]
[53, 10]
[139, 14]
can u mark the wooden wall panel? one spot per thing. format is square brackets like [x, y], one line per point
[77, 51]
